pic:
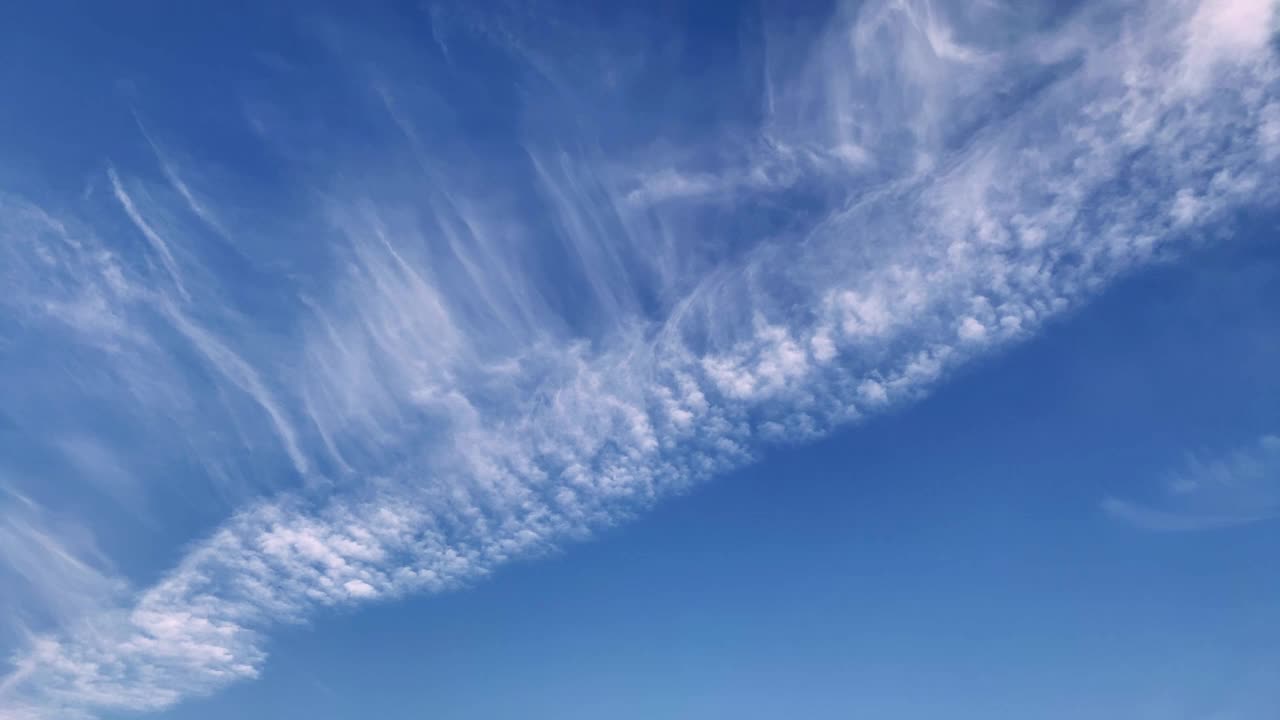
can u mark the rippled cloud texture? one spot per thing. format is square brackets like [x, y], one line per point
[440, 322]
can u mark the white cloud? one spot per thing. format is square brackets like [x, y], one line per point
[1227, 31]
[157, 242]
[668, 184]
[971, 329]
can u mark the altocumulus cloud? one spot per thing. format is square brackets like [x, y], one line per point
[446, 402]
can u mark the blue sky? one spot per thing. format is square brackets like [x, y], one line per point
[883, 359]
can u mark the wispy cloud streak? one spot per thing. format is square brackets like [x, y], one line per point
[1239, 488]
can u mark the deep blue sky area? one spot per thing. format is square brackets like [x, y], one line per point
[888, 359]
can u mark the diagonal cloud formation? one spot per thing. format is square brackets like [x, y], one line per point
[460, 412]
